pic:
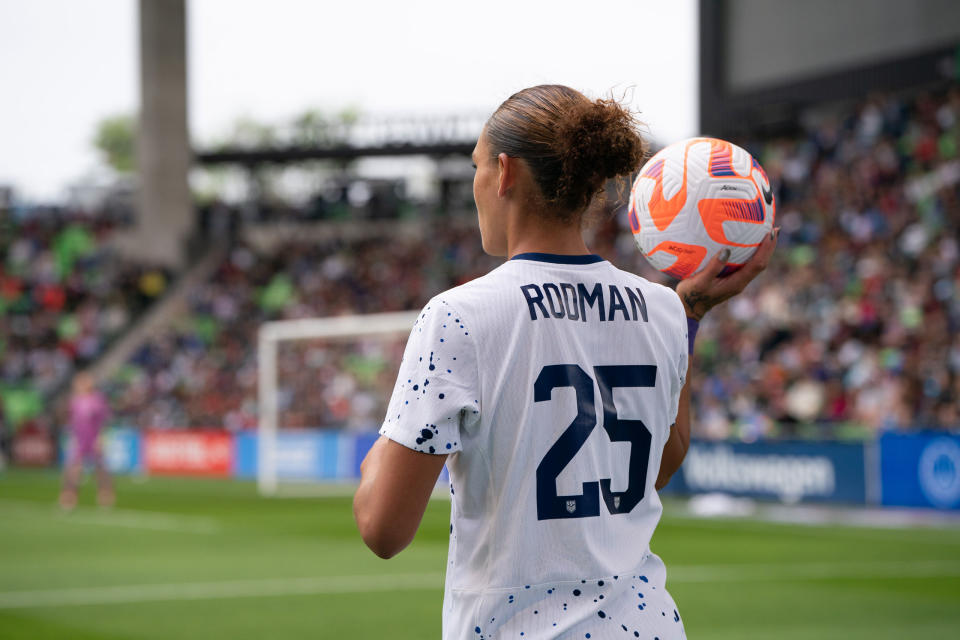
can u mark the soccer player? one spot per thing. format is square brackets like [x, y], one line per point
[88, 412]
[555, 388]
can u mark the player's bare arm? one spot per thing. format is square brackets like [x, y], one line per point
[679, 441]
[700, 293]
[395, 484]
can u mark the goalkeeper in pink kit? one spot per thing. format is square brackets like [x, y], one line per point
[88, 413]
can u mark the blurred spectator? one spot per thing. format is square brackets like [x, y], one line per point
[64, 295]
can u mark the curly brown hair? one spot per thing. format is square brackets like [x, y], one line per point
[572, 144]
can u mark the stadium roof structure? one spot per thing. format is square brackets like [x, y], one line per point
[370, 137]
[762, 63]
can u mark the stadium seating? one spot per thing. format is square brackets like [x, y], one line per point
[854, 328]
[857, 320]
[202, 371]
[64, 295]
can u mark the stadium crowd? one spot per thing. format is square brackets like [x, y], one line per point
[201, 372]
[854, 328]
[64, 295]
[858, 318]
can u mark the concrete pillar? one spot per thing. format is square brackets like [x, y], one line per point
[165, 215]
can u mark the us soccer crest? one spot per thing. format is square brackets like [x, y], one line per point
[571, 506]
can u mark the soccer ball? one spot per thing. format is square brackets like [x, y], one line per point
[695, 198]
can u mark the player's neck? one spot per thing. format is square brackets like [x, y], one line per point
[532, 235]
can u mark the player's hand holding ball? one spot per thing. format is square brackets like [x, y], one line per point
[702, 211]
[708, 288]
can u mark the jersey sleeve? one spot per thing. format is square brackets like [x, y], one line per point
[437, 393]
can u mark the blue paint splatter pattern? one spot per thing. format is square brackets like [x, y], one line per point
[437, 388]
[612, 608]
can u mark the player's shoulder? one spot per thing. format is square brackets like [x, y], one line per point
[475, 295]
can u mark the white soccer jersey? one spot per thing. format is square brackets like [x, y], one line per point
[552, 382]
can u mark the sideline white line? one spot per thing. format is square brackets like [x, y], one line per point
[810, 571]
[217, 590]
[876, 518]
[906, 535]
[127, 518]
[296, 490]
[434, 581]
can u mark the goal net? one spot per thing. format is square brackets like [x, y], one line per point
[324, 385]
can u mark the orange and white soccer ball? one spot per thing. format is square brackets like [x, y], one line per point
[695, 198]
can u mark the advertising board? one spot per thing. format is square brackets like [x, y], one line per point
[188, 452]
[121, 450]
[33, 447]
[301, 455]
[787, 471]
[920, 470]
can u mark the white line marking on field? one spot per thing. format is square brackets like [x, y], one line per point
[810, 571]
[126, 518]
[912, 535]
[295, 490]
[218, 590]
[129, 594]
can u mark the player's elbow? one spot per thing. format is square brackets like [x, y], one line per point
[381, 536]
[384, 541]
[662, 480]
[383, 549]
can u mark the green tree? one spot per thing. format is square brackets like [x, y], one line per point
[314, 127]
[115, 138]
[248, 132]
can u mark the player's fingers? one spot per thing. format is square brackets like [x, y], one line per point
[761, 257]
[738, 281]
[715, 266]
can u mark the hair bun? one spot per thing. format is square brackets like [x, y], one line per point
[573, 145]
[597, 141]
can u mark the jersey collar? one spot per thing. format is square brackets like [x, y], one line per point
[556, 258]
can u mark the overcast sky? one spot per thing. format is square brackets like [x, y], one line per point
[65, 64]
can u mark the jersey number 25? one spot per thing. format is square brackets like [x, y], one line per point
[552, 506]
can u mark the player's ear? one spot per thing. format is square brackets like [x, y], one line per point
[506, 173]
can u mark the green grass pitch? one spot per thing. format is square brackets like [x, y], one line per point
[194, 558]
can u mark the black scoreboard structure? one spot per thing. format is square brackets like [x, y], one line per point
[762, 62]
